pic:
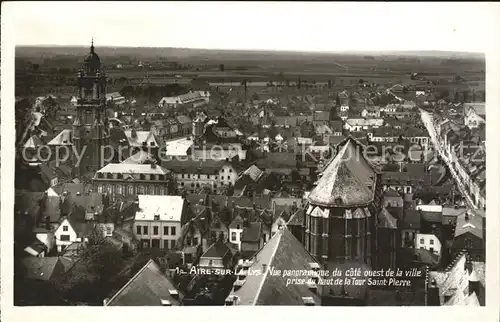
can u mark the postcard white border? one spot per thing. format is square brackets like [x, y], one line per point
[21, 314]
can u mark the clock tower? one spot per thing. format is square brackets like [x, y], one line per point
[90, 129]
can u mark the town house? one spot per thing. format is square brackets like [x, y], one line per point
[158, 221]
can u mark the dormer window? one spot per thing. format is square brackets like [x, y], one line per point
[142, 177]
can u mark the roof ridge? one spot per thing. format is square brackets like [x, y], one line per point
[279, 234]
[130, 281]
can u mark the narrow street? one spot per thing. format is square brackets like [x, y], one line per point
[429, 125]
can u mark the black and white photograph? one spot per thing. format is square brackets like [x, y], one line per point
[249, 154]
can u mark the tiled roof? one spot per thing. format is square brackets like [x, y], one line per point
[137, 138]
[275, 160]
[183, 119]
[252, 232]
[147, 288]
[346, 179]
[33, 142]
[42, 268]
[191, 166]
[297, 218]
[473, 225]
[321, 116]
[216, 250]
[454, 282]
[282, 252]
[411, 219]
[140, 157]
[63, 138]
[479, 108]
[386, 220]
[253, 172]
[133, 168]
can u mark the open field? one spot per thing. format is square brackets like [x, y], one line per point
[258, 67]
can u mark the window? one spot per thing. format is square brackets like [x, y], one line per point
[431, 249]
[208, 176]
[130, 190]
[182, 184]
[65, 228]
[188, 241]
[238, 226]
[421, 240]
[172, 231]
[431, 242]
[233, 236]
[210, 262]
[195, 241]
[145, 230]
[468, 243]
[64, 237]
[199, 176]
[138, 228]
[182, 176]
[165, 230]
[155, 230]
[230, 170]
[228, 178]
[119, 189]
[165, 243]
[99, 189]
[172, 244]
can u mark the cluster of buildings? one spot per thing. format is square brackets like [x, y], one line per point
[277, 182]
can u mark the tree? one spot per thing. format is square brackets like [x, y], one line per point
[96, 273]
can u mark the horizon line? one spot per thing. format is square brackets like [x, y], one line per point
[368, 51]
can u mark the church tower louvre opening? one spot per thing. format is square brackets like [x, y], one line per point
[341, 211]
[90, 128]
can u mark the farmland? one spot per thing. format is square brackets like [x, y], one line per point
[161, 66]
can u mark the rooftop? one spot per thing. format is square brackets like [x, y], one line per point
[168, 208]
[282, 252]
[133, 168]
[347, 180]
[149, 287]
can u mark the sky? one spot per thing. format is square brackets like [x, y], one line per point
[296, 26]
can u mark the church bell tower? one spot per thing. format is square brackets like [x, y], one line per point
[90, 129]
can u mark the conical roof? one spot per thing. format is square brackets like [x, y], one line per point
[348, 180]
